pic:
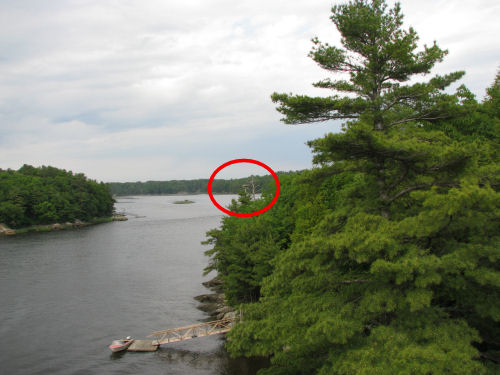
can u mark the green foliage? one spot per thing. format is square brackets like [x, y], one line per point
[47, 195]
[243, 249]
[390, 262]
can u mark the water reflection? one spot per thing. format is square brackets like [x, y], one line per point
[217, 362]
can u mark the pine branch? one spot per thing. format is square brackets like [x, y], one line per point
[421, 186]
[400, 98]
[425, 117]
[490, 358]
[319, 119]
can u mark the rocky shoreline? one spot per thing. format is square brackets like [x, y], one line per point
[6, 231]
[214, 304]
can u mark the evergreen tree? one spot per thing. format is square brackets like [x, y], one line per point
[398, 272]
[243, 249]
[47, 195]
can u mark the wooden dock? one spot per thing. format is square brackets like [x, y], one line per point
[180, 334]
[190, 332]
[142, 346]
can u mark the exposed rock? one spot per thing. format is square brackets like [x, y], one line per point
[224, 310]
[6, 230]
[219, 316]
[230, 315]
[215, 304]
[119, 218]
[209, 298]
[209, 307]
[214, 283]
[78, 223]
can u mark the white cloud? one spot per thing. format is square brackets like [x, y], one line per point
[126, 90]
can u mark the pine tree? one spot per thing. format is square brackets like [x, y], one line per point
[400, 274]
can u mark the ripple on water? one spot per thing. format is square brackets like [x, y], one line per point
[66, 295]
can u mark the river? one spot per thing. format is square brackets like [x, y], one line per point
[66, 295]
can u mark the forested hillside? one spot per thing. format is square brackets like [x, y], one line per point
[198, 186]
[48, 195]
[384, 259]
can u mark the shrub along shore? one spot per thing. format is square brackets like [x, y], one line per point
[6, 231]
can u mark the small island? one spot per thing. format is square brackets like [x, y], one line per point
[47, 198]
[185, 201]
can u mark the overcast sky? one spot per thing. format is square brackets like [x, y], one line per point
[126, 90]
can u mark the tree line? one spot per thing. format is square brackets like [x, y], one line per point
[46, 195]
[384, 258]
[197, 186]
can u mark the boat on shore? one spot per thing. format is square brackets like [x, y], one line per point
[120, 345]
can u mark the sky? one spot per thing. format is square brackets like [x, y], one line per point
[125, 90]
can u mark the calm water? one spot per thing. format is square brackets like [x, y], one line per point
[64, 296]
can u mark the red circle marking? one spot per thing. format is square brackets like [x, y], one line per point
[235, 161]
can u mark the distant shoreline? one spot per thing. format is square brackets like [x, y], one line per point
[168, 195]
[197, 186]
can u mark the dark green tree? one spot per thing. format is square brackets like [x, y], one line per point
[47, 195]
[399, 273]
[243, 249]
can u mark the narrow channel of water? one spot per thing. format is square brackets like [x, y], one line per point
[66, 295]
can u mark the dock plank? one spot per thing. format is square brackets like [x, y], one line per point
[142, 346]
[195, 330]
